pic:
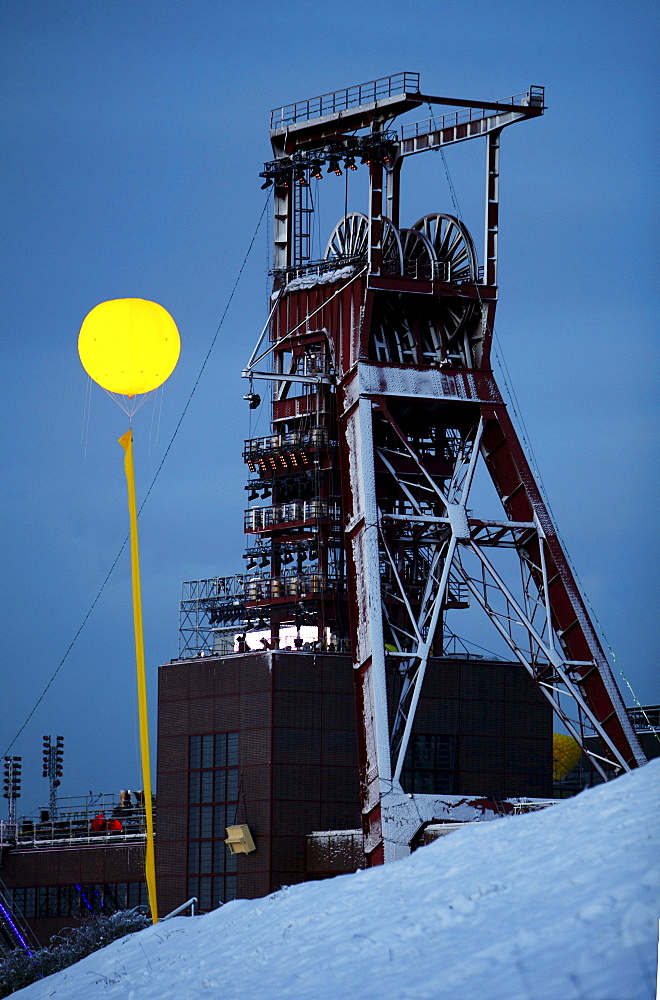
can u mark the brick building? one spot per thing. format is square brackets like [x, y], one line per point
[269, 739]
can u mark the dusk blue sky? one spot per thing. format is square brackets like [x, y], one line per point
[133, 134]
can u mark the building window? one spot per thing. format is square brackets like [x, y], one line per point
[212, 806]
[48, 901]
[430, 764]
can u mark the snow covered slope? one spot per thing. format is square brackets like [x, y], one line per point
[557, 905]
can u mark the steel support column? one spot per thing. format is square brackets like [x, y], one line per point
[492, 207]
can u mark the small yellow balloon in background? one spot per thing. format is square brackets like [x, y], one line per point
[566, 752]
[129, 346]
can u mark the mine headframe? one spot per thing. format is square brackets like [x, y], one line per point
[384, 406]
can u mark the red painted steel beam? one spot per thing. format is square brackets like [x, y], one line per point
[516, 486]
[529, 110]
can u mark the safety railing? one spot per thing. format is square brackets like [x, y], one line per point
[314, 268]
[533, 97]
[270, 587]
[342, 100]
[189, 904]
[63, 832]
[216, 586]
[522, 806]
[278, 444]
[299, 511]
[431, 270]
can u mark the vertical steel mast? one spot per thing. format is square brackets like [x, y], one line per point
[385, 407]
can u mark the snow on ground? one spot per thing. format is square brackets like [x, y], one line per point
[557, 905]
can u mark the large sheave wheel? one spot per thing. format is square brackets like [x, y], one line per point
[350, 240]
[452, 244]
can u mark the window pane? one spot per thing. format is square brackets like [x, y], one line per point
[220, 823]
[423, 751]
[220, 786]
[232, 749]
[423, 781]
[232, 784]
[221, 750]
[194, 826]
[195, 751]
[446, 751]
[207, 751]
[231, 794]
[205, 857]
[110, 900]
[443, 784]
[64, 905]
[193, 858]
[83, 892]
[207, 786]
[220, 851]
[205, 894]
[230, 887]
[194, 792]
[206, 822]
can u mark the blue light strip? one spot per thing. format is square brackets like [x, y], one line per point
[84, 898]
[15, 929]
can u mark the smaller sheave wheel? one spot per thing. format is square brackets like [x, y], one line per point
[349, 241]
[350, 238]
[418, 254]
[453, 246]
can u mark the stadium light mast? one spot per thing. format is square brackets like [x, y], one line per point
[12, 786]
[53, 764]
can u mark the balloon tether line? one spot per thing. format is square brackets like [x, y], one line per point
[150, 866]
[151, 486]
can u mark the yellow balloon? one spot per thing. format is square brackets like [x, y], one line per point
[566, 752]
[129, 346]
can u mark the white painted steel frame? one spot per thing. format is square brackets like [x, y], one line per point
[544, 640]
[524, 623]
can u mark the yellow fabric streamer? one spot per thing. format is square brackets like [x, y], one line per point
[150, 862]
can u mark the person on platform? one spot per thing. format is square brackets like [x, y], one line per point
[99, 824]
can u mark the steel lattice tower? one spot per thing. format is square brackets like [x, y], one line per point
[384, 406]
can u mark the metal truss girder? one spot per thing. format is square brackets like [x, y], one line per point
[521, 498]
[529, 625]
[559, 666]
[435, 138]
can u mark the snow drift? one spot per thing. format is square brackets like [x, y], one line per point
[558, 905]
